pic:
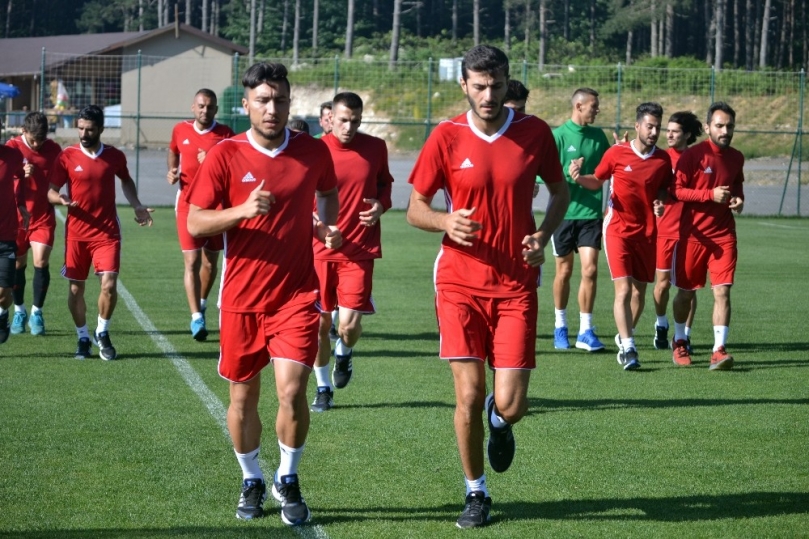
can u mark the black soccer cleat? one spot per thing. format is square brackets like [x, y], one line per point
[84, 349]
[294, 510]
[251, 500]
[476, 512]
[501, 447]
[106, 350]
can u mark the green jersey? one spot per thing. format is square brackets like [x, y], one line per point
[574, 141]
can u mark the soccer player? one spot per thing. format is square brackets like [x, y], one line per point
[640, 174]
[297, 124]
[580, 232]
[709, 182]
[12, 201]
[39, 154]
[516, 96]
[92, 229]
[346, 274]
[486, 274]
[325, 119]
[190, 142]
[682, 130]
[265, 181]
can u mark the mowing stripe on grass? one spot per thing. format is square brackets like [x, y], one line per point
[194, 381]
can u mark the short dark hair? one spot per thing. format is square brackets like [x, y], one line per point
[578, 92]
[484, 59]
[724, 107]
[93, 113]
[326, 105]
[690, 124]
[210, 94]
[36, 124]
[349, 99]
[650, 109]
[265, 72]
[516, 91]
[296, 124]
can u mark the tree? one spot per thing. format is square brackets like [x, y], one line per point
[719, 32]
[543, 33]
[476, 21]
[315, 20]
[349, 50]
[394, 34]
[296, 33]
[765, 31]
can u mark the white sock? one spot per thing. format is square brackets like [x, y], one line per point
[103, 325]
[251, 469]
[335, 316]
[340, 349]
[561, 318]
[720, 336]
[662, 321]
[628, 344]
[585, 322]
[20, 308]
[477, 485]
[679, 332]
[322, 376]
[687, 331]
[83, 332]
[203, 304]
[290, 458]
[34, 309]
[497, 421]
[196, 316]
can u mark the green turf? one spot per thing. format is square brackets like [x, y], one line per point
[127, 449]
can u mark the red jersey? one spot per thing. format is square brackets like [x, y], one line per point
[636, 180]
[37, 185]
[495, 175]
[187, 141]
[90, 181]
[11, 191]
[362, 172]
[702, 168]
[668, 224]
[269, 261]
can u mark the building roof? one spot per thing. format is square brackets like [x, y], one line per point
[23, 55]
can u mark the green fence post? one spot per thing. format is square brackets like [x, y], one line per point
[42, 82]
[618, 102]
[713, 83]
[428, 125]
[137, 124]
[336, 74]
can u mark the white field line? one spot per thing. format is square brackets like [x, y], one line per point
[783, 226]
[195, 382]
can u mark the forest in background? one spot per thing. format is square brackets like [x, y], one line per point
[738, 34]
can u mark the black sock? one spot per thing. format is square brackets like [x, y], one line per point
[42, 279]
[18, 291]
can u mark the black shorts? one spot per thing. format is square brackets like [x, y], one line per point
[8, 261]
[575, 233]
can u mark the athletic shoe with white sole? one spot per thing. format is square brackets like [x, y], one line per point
[18, 322]
[84, 349]
[37, 323]
[324, 400]
[661, 341]
[476, 511]
[589, 341]
[251, 500]
[342, 371]
[294, 510]
[560, 339]
[106, 350]
[501, 446]
[629, 359]
[198, 330]
[721, 360]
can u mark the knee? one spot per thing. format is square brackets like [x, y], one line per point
[513, 410]
[469, 401]
[589, 272]
[109, 288]
[350, 332]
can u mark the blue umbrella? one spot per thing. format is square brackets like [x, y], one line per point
[8, 90]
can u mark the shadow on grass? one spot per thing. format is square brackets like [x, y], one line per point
[543, 406]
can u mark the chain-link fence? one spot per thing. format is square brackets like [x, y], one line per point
[144, 96]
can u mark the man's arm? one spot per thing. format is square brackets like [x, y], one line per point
[173, 175]
[534, 252]
[328, 207]
[457, 225]
[203, 222]
[143, 215]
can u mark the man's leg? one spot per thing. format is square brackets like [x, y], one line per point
[42, 280]
[107, 299]
[20, 312]
[324, 400]
[661, 301]
[244, 426]
[207, 272]
[470, 393]
[193, 281]
[587, 339]
[561, 295]
[681, 306]
[76, 304]
[720, 359]
[625, 290]
[349, 331]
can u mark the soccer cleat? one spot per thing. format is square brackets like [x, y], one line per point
[4, 329]
[198, 330]
[18, 322]
[680, 354]
[629, 359]
[688, 345]
[589, 341]
[661, 341]
[106, 350]
[342, 371]
[37, 323]
[294, 510]
[560, 340]
[721, 360]
[333, 336]
[84, 349]
[251, 500]
[476, 511]
[324, 400]
[501, 447]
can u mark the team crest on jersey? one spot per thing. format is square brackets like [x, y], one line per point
[571, 148]
[467, 163]
[248, 178]
[78, 169]
[708, 170]
[186, 142]
[628, 168]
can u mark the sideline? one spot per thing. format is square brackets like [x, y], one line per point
[197, 385]
[782, 226]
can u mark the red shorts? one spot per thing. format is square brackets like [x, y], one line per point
[39, 234]
[628, 257]
[190, 243]
[693, 260]
[347, 284]
[665, 252]
[104, 255]
[247, 341]
[501, 329]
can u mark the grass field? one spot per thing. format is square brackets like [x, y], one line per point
[136, 447]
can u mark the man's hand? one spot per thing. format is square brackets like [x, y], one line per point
[173, 175]
[618, 139]
[67, 201]
[534, 253]
[658, 207]
[460, 228]
[736, 204]
[201, 155]
[371, 217]
[258, 203]
[574, 169]
[721, 194]
[28, 168]
[143, 215]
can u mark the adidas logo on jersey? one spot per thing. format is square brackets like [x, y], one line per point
[248, 178]
[467, 163]
[708, 170]
[571, 148]
[186, 142]
[628, 168]
[78, 169]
